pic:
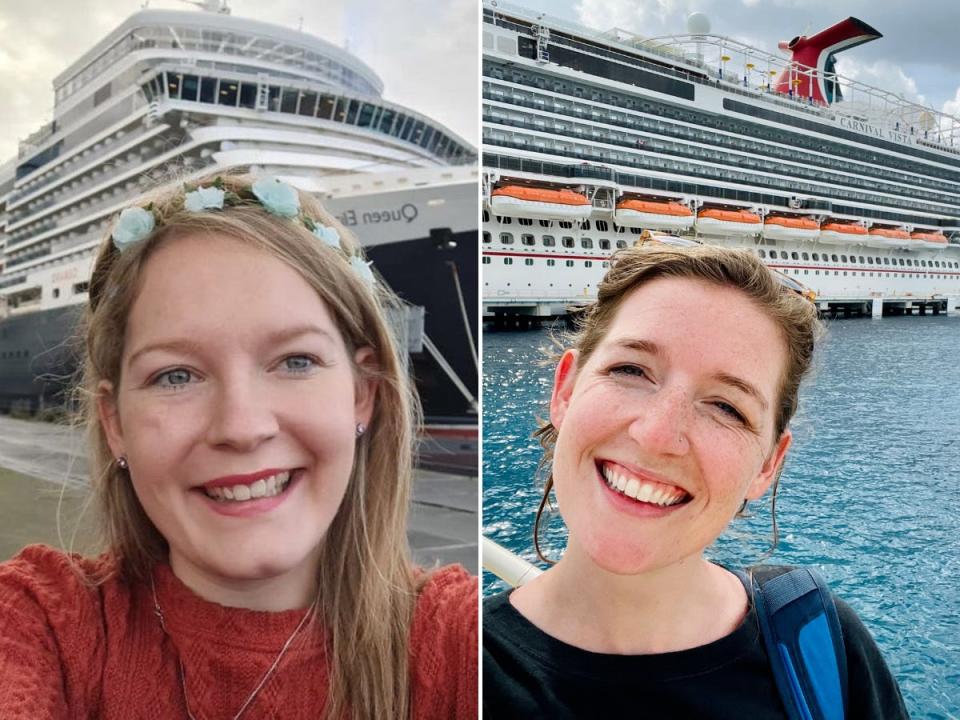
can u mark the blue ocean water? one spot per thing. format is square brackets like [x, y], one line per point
[870, 493]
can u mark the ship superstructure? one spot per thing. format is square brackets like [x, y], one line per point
[185, 93]
[591, 138]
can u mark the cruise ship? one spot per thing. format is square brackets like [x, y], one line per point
[186, 93]
[591, 139]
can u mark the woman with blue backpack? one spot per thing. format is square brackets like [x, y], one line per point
[670, 412]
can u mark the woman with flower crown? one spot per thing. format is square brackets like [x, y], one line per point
[251, 435]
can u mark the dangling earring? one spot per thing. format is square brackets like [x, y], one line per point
[122, 463]
[361, 429]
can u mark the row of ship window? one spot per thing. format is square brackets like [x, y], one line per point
[351, 111]
[551, 262]
[821, 150]
[566, 241]
[582, 171]
[863, 260]
[660, 163]
[187, 38]
[14, 354]
[667, 147]
[550, 241]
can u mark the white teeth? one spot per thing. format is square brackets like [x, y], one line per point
[644, 492]
[264, 487]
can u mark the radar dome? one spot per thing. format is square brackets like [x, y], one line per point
[698, 24]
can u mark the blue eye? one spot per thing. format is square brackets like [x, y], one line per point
[629, 370]
[172, 379]
[299, 363]
[728, 409]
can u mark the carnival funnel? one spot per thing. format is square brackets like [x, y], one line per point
[812, 69]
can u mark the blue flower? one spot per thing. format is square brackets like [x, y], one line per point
[205, 198]
[277, 197]
[328, 234]
[362, 268]
[134, 225]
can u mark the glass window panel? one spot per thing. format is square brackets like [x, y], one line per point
[386, 119]
[273, 98]
[308, 103]
[352, 111]
[340, 113]
[191, 86]
[208, 90]
[288, 102]
[173, 85]
[248, 95]
[327, 103]
[229, 92]
[366, 115]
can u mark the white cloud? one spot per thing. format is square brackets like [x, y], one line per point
[628, 14]
[881, 74]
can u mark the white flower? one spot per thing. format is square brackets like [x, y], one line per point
[329, 235]
[205, 198]
[362, 268]
[277, 197]
[133, 226]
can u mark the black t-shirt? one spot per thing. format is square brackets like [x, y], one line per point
[529, 674]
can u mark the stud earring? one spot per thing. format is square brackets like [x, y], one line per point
[361, 429]
[122, 463]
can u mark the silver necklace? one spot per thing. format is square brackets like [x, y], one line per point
[263, 681]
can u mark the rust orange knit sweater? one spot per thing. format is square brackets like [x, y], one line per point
[68, 651]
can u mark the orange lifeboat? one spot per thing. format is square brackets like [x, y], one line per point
[888, 237]
[653, 214]
[932, 240]
[779, 227]
[715, 221]
[842, 233]
[534, 202]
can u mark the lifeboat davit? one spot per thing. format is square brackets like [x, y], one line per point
[653, 214]
[533, 202]
[888, 237]
[714, 221]
[777, 227]
[932, 240]
[840, 233]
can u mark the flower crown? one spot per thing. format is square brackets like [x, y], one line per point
[277, 198]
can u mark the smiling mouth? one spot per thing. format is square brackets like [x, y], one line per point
[263, 488]
[642, 491]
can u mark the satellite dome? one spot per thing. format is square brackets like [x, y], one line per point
[698, 24]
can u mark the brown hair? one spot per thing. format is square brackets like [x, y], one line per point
[366, 583]
[634, 267]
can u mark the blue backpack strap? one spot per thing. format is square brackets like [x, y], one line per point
[801, 630]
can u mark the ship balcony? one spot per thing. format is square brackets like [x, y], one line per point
[74, 165]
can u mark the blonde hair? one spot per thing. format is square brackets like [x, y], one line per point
[366, 582]
[795, 316]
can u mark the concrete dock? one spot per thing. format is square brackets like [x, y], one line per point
[43, 465]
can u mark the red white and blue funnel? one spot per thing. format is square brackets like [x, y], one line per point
[819, 52]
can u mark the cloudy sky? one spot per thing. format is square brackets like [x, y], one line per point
[917, 55]
[424, 51]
